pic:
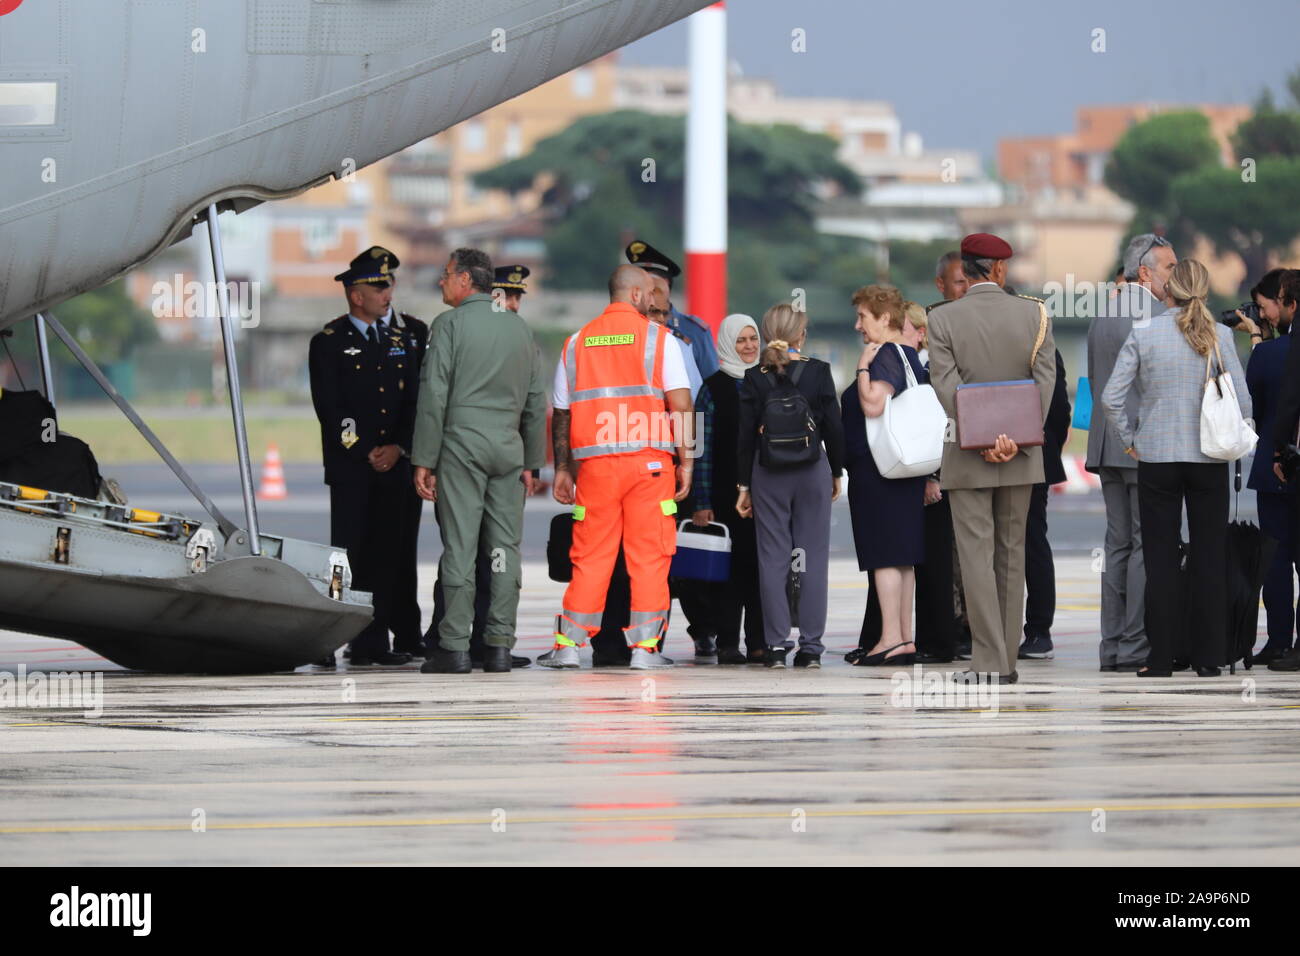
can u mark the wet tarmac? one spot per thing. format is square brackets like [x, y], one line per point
[699, 764]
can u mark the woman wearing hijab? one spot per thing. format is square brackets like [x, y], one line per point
[718, 409]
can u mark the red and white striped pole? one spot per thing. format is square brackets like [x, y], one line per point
[706, 168]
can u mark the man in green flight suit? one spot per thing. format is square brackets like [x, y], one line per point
[480, 429]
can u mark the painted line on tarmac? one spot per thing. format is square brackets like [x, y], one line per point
[646, 818]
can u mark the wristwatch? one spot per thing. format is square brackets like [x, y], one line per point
[742, 487]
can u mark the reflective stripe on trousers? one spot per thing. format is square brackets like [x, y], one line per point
[646, 628]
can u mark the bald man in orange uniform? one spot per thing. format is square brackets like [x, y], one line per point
[622, 408]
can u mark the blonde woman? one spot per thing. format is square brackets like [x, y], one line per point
[1165, 359]
[791, 447]
[914, 331]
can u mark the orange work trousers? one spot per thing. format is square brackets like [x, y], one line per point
[625, 499]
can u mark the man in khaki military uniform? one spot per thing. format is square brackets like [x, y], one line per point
[989, 336]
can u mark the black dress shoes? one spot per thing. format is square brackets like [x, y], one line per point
[447, 662]
[496, 660]
[383, 659]
[731, 655]
[1290, 661]
[1206, 671]
[327, 661]
[1154, 672]
[1268, 654]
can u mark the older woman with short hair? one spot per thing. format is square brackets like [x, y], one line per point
[887, 514]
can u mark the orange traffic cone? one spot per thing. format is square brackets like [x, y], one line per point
[272, 488]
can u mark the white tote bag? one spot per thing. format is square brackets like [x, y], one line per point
[1225, 434]
[906, 440]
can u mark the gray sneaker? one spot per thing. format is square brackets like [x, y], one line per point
[560, 658]
[644, 660]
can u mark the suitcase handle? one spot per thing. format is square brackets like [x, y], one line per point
[726, 532]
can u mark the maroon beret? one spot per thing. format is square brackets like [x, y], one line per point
[984, 245]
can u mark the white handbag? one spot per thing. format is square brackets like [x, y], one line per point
[906, 439]
[1225, 434]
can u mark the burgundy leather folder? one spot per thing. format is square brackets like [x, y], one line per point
[986, 410]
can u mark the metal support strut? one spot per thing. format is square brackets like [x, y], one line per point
[43, 350]
[232, 382]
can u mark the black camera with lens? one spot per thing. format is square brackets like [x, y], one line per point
[1250, 310]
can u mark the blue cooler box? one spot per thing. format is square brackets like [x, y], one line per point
[702, 555]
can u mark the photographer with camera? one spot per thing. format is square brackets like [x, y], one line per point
[1263, 317]
[1276, 499]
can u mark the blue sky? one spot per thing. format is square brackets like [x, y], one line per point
[966, 74]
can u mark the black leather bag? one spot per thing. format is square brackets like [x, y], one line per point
[558, 565]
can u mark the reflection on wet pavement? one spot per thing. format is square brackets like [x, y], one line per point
[699, 764]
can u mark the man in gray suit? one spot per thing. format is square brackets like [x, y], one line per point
[989, 336]
[1148, 262]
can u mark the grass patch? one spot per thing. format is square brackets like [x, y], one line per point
[194, 438]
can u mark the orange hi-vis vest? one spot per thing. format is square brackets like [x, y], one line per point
[615, 367]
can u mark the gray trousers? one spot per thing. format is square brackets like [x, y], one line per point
[1123, 575]
[792, 521]
[989, 527]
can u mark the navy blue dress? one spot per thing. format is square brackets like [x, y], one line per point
[888, 513]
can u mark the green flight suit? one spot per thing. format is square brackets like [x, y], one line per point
[480, 420]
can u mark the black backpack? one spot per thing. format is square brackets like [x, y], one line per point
[787, 431]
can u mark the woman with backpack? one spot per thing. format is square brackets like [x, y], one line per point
[888, 514]
[790, 452]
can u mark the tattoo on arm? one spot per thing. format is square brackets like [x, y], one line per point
[560, 438]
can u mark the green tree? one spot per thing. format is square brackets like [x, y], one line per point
[1269, 132]
[1169, 167]
[633, 183]
[1149, 157]
[1255, 219]
[106, 323]
[1150, 154]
